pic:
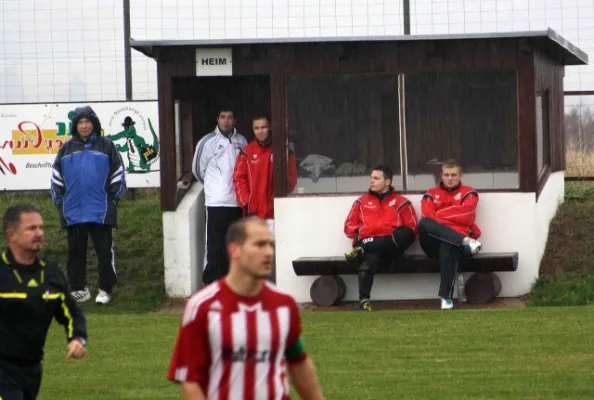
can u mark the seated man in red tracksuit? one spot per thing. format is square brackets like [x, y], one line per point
[447, 229]
[382, 224]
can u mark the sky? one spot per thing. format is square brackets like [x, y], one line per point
[73, 50]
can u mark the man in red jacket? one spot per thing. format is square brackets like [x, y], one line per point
[253, 175]
[447, 229]
[382, 224]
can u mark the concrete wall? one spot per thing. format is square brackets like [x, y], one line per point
[183, 244]
[550, 198]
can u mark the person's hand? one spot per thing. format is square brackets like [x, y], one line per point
[76, 350]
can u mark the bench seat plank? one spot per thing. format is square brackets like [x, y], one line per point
[409, 264]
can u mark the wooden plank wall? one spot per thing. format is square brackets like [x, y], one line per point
[526, 117]
[297, 61]
[171, 62]
[469, 116]
[548, 77]
[282, 61]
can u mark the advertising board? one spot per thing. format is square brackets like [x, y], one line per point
[32, 134]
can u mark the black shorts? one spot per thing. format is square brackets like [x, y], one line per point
[19, 382]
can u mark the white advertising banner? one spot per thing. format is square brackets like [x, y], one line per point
[31, 134]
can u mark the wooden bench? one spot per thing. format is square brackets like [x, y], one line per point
[329, 288]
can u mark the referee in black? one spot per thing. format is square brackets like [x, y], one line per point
[32, 292]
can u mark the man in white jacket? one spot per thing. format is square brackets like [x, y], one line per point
[214, 161]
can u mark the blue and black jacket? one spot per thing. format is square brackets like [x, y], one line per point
[88, 177]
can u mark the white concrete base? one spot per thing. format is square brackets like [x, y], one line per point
[184, 245]
[551, 197]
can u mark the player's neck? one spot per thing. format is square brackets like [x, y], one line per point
[23, 257]
[243, 285]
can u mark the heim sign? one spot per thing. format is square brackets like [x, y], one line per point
[32, 134]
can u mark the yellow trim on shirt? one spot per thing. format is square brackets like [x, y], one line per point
[13, 295]
[70, 324]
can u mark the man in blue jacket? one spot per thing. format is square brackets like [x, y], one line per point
[87, 182]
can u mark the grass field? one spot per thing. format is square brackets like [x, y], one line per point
[527, 353]
[138, 243]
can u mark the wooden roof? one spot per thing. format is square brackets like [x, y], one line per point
[549, 41]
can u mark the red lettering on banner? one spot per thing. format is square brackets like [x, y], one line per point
[10, 167]
[31, 141]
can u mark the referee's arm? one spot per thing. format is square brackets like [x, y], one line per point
[71, 316]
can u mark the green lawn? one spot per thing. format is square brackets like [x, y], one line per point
[528, 353]
[138, 244]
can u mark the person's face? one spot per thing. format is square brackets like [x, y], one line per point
[254, 257]
[261, 130]
[226, 121]
[28, 236]
[378, 183]
[84, 128]
[450, 177]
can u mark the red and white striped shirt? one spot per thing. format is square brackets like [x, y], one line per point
[234, 346]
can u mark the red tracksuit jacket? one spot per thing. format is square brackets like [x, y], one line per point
[455, 208]
[372, 217]
[253, 179]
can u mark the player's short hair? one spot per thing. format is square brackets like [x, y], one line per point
[225, 108]
[386, 170]
[451, 163]
[261, 116]
[237, 232]
[12, 215]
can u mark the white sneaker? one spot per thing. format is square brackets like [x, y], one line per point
[102, 297]
[471, 246]
[447, 304]
[80, 296]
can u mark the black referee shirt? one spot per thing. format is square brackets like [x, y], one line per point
[30, 296]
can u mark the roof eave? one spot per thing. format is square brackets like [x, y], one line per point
[564, 51]
[580, 57]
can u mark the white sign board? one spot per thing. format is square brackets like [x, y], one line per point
[214, 62]
[31, 134]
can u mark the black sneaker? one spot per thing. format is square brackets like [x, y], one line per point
[353, 255]
[364, 305]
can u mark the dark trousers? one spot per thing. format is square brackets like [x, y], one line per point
[379, 251]
[78, 237]
[218, 220]
[19, 382]
[442, 242]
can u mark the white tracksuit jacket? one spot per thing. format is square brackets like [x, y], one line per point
[214, 161]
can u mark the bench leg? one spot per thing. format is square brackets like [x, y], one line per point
[482, 287]
[342, 289]
[327, 290]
